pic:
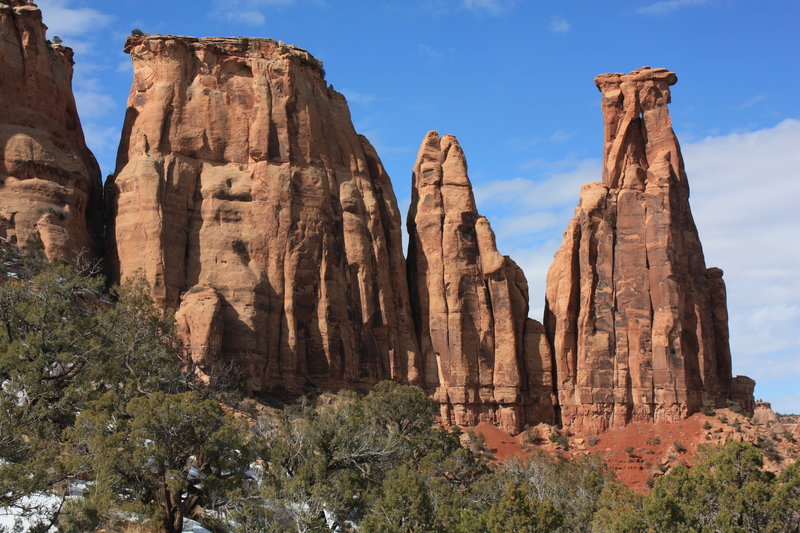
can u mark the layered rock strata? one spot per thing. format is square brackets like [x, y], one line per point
[482, 358]
[637, 322]
[50, 185]
[245, 197]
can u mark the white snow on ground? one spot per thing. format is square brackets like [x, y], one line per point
[190, 526]
[9, 517]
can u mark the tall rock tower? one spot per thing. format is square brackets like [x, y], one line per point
[637, 322]
[50, 185]
[246, 198]
[483, 359]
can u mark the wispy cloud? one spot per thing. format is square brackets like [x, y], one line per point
[355, 97]
[124, 66]
[93, 104]
[668, 6]
[247, 11]
[66, 21]
[559, 25]
[752, 101]
[554, 189]
[249, 17]
[521, 144]
[561, 136]
[494, 7]
[429, 51]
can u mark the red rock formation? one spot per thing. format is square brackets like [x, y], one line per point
[482, 358]
[50, 184]
[241, 182]
[637, 322]
[200, 327]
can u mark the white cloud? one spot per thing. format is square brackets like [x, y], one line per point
[249, 17]
[559, 25]
[752, 101]
[92, 102]
[247, 11]
[495, 7]
[103, 141]
[529, 216]
[668, 6]
[429, 51]
[66, 21]
[554, 189]
[789, 403]
[355, 97]
[522, 144]
[561, 136]
[744, 190]
[124, 66]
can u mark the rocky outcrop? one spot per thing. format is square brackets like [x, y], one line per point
[245, 197]
[741, 393]
[637, 322]
[764, 415]
[50, 186]
[200, 326]
[482, 358]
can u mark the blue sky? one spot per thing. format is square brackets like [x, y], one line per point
[513, 81]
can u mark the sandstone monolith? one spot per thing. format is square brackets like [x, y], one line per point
[50, 185]
[637, 322]
[246, 198]
[483, 359]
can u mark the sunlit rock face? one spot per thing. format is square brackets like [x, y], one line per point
[637, 322]
[50, 185]
[483, 359]
[246, 198]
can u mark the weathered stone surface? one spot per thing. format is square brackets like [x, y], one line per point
[50, 186]
[240, 171]
[200, 327]
[482, 358]
[741, 392]
[637, 322]
[765, 416]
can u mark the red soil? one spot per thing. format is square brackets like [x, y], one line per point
[641, 450]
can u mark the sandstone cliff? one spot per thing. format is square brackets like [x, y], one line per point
[637, 322]
[246, 198]
[482, 358]
[50, 186]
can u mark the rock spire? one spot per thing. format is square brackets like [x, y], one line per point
[483, 359]
[637, 322]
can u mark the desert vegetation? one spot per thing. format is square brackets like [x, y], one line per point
[102, 424]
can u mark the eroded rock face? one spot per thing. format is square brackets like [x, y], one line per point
[200, 327]
[637, 322]
[50, 185]
[482, 358]
[242, 185]
[765, 416]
